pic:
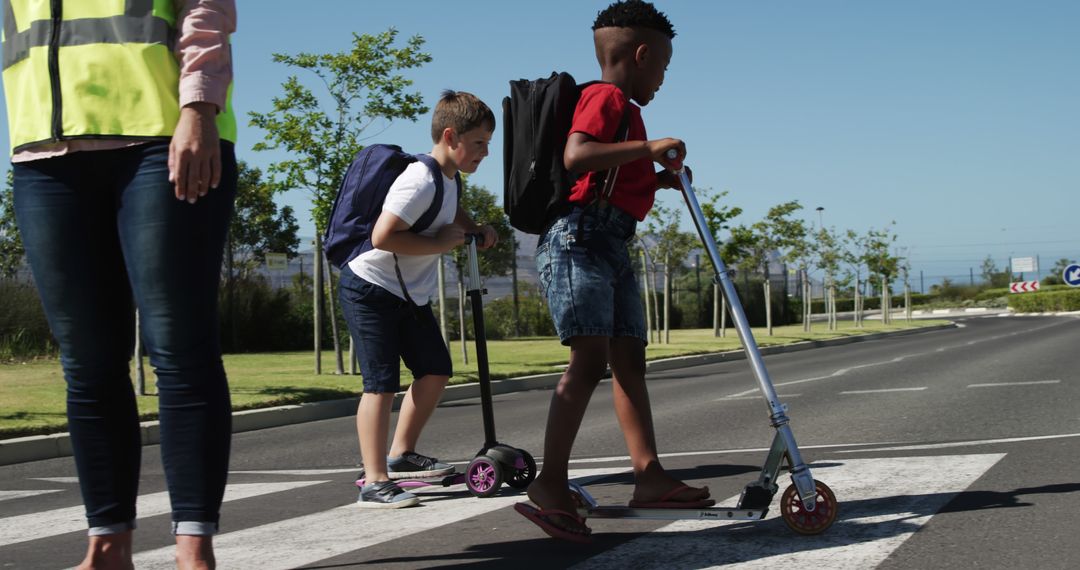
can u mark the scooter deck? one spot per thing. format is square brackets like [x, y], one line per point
[711, 513]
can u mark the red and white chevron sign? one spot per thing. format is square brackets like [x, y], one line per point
[1024, 286]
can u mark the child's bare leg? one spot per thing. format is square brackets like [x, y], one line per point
[372, 427]
[588, 361]
[419, 403]
[632, 406]
[108, 551]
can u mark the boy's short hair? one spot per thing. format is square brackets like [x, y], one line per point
[634, 14]
[461, 112]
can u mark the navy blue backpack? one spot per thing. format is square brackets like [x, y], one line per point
[362, 193]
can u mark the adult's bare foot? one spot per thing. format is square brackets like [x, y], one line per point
[108, 552]
[195, 552]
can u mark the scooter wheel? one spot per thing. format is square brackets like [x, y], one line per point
[807, 522]
[484, 476]
[520, 478]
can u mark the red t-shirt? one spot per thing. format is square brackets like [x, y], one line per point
[598, 113]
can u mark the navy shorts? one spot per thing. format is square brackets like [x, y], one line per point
[388, 329]
[587, 276]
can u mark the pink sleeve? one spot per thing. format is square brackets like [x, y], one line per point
[204, 51]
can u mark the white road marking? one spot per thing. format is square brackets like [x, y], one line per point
[730, 398]
[299, 472]
[32, 526]
[308, 539]
[9, 495]
[996, 384]
[883, 502]
[921, 447]
[884, 390]
[57, 479]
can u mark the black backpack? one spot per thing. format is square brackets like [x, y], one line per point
[536, 122]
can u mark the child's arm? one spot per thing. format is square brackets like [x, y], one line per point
[491, 237]
[392, 234]
[583, 153]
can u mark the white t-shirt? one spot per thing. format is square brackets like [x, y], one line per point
[408, 198]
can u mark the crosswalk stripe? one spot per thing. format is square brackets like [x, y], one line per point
[883, 502]
[884, 390]
[9, 495]
[318, 536]
[997, 384]
[21, 528]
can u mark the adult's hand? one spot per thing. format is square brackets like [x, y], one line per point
[195, 152]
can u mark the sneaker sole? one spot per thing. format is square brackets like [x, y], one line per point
[395, 505]
[398, 475]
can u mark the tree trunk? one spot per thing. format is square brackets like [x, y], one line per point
[723, 316]
[768, 305]
[768, 301]
[352, 355]
[645, 288]
[461, 316]
[331, 302]
[140, 373]
[317, 301]
[667, 298]
[656, 302]
[442, 302]
[716, 309]
[514, 284]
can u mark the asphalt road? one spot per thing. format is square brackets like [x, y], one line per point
[946, 449]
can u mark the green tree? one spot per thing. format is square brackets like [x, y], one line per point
[671, 245]
[11, 246]
[992, 276]
[1056, 272]
[781, 233]
[363, 86]
[482, 208]
[259, 226]
[717, 216]
[875, 246]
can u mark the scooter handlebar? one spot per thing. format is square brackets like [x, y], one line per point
[478, 238]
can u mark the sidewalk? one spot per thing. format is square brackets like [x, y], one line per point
[34, 448]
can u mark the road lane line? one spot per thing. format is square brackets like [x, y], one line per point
[884, 390]
[9, 495]
[32, 526]
[883, 502]
[920, 447]
[996, 384]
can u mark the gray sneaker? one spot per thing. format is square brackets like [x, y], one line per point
[415, 466]
[385, 495]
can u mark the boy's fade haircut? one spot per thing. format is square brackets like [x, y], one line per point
[461, 112]
[634, 14]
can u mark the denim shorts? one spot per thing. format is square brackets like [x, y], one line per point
[587, 276]
[388, 329]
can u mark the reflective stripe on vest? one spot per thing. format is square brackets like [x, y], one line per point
[86, 69]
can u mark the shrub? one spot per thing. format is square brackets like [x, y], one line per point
[1051, 301]
[24, 331]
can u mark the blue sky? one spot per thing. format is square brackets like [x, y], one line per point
[958, 120]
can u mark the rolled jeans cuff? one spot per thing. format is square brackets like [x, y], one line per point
[194, 528]
[115, 528]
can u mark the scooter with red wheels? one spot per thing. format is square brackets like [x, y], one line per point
[807, 506]
[496, 463]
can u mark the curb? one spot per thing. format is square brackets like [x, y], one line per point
[38, 447]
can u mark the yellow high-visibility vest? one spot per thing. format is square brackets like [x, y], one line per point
[93, 69]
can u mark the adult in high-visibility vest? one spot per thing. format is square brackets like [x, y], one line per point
[122, 139]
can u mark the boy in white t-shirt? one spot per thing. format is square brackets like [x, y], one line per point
[382, 317]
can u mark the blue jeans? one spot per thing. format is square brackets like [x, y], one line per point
[388, 330]
[586, 274]
[104, 233]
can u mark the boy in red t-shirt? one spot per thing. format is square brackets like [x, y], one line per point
[586, 270]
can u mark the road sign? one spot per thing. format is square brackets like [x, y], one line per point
[276, 261]
[1024, 286]
[1024, 265]
[1071, 275]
